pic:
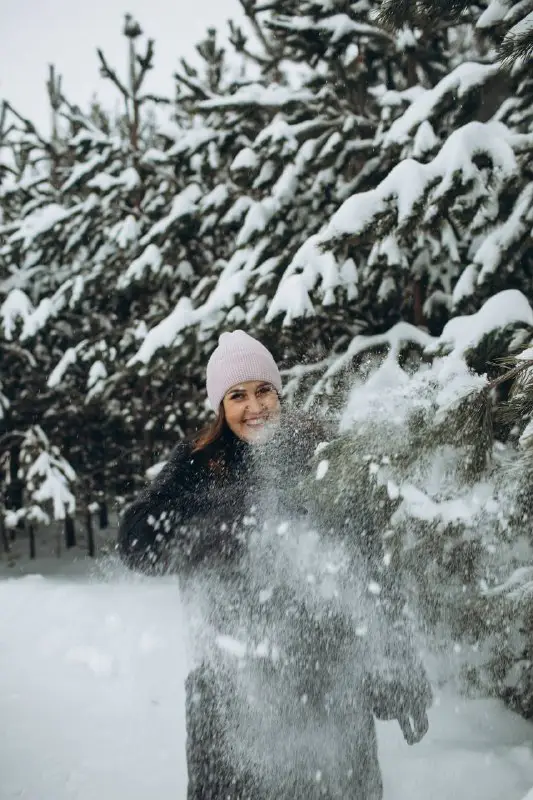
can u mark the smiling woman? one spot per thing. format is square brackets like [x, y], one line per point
[284, 688]
[244, 389]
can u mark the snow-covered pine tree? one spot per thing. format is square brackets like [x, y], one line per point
[448, 227]
[309, 135]
[426, 466]
[452, 215]
[29, 163]
[512, 597]
[45, 488]
[76, 216]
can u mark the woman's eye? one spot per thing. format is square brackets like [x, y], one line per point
[265, 389]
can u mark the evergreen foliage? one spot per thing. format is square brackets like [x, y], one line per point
[507, 24]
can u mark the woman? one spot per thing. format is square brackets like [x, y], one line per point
[282, 702]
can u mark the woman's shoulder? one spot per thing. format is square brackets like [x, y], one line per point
[182, 465]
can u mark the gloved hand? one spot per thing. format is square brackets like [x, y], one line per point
[415, 727]
[406, 703]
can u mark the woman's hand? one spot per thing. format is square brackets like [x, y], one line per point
[415, 727]
[406, 700]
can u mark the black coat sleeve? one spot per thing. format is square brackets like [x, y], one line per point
[149, 530]
[397, 680]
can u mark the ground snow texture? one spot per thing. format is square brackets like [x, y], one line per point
[92, 698]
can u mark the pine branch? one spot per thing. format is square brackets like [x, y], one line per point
[194, 86]
[517, 46]
[5, 129]
[20, 352]
[6, 168]
[238, 40]
[512, 373]
[146, 64]
[251, 12]
[10, 438]
[77, 117]
[154, 98]
[53, 86]
[107, 72]
[31, 129]
[394, 14]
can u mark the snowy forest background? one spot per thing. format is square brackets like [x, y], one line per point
[352, 183]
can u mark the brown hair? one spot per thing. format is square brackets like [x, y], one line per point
[212, 432]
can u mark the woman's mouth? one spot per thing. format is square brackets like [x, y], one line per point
[257, 422]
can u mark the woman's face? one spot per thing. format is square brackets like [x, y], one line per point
[252, 410]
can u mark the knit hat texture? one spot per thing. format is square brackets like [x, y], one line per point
[238, 358]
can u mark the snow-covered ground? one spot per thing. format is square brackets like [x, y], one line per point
[91, 701]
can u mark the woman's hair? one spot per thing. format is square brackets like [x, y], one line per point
[212, 432]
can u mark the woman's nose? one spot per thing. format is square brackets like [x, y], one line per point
[254, 405]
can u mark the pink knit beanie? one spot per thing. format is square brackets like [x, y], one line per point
[238, 358]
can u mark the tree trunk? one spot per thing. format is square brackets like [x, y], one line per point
[16, 486]
[31, 533]
[104, 515]
[134, 129]
[3, 531]
[91, 549]
[70, 533]
[418, 304]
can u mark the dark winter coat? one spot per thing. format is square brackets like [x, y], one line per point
[281, 703]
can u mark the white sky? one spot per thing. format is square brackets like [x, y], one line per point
[34, 33]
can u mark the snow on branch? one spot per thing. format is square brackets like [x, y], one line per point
[187, 141]
[150, 259]
[427, 104]
[292, 299]
[271, 96]
[518, 587]
[47, 479]
[309, 267]
[494, 249]
[183, 205]
[16, 307]
[232, 284]
[84, 169]
[463, 333]
[518, 41]
[337, 26]
[402, 197]
[517, 19]
[494, 14]
[165, 333]
[41, 221]
[394, 340]
[68, 359]
[48, 476]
